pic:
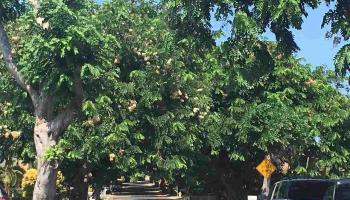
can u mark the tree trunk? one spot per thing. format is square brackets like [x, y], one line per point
[47, 129]
[230, 178]
[45, 185]
[97, 192]
[7, 189]
[79, 183]
[80, 190]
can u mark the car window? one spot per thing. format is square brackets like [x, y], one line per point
[276, 189]
[307, 190]
[283, 191]
[329, 195]
[342, 192]
[280, 190]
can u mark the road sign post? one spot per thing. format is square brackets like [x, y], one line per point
[266, 168]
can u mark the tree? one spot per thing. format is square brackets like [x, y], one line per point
[10, 175]
[15, 131]
[150, 80]
[338, 17]
[250, 91]
[56, 41]
[141, 86]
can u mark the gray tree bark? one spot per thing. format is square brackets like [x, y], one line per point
[45, 185]
[47, 131]
[47, 128]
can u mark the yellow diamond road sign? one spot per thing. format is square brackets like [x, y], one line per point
[266, 168]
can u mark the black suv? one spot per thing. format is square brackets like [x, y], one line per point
[311, 189]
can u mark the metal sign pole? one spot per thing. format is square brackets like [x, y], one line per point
[266, 168]
[266, 186]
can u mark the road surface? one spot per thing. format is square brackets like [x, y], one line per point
[139, 191]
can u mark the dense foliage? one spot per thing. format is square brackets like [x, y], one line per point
[147, 90]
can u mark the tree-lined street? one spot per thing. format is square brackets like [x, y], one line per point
[94, 91]
[140, 190]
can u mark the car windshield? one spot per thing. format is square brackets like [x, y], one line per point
[308, 190]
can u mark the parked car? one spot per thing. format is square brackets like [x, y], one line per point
[311, 189]
[3, 195]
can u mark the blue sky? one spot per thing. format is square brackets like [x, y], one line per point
[314, 47]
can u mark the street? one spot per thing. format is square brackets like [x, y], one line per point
[139, 191]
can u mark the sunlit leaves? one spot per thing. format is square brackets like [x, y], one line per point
[342, 60]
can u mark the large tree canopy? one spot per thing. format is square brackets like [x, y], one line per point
[141, 87]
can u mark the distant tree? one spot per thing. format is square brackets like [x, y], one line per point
[338, 18]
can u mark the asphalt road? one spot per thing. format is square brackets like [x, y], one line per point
[139, 197]
[139, 191]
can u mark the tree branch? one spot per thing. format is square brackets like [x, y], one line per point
[77, 89]
[66, 116]
[5, 47]
[35, 4]
[45, 107]
[39, 20]
[62, 121]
